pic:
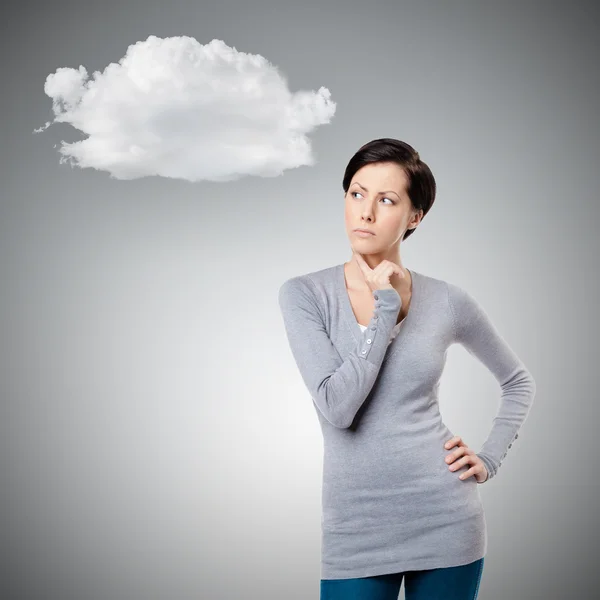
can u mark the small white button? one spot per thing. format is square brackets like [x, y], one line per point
[376, 297]
[364, 351]
[369, 341]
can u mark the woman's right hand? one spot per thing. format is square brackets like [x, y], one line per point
[379, 277]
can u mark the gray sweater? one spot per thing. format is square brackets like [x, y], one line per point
[389, 501]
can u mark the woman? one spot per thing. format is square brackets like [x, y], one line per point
[400, 496]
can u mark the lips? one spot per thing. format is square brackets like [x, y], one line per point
[364, 231]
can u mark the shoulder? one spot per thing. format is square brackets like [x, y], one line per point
[460, 298]
[312, 286]
[468, 313]
[443, 287]
[443, 292]
[434, 288]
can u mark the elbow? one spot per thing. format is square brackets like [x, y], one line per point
[336, 418]
[329, 406]
[531, 383]
[340, 423]
[524, 382]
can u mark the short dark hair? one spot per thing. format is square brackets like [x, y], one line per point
[421, 183]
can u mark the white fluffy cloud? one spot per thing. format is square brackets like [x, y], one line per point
[176, 108]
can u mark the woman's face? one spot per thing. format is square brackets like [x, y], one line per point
[376, 200]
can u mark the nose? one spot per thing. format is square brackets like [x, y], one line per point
[367, 211]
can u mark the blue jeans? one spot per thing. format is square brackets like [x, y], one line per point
[451, 583]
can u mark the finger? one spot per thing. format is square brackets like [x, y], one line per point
[359, 259]
[388, 268]
[469, 473]
[383, 272]
[461, 462]
[452, 441]
[362, 263]
[454, 455]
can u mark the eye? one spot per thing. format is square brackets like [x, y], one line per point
[386, 198]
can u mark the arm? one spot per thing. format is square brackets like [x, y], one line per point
[338, 387]
[475, 331]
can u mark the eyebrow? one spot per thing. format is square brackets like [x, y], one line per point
[366, 190]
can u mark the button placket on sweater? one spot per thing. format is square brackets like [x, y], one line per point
[387, 305]
[510, 446]
[369, 340]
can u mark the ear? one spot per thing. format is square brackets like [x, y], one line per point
[418, 216]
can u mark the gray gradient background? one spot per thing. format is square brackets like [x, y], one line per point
[156, 438]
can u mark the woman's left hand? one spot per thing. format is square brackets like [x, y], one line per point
[464, 455]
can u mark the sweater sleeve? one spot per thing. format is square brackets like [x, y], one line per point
[338, 387]
[475, 331]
